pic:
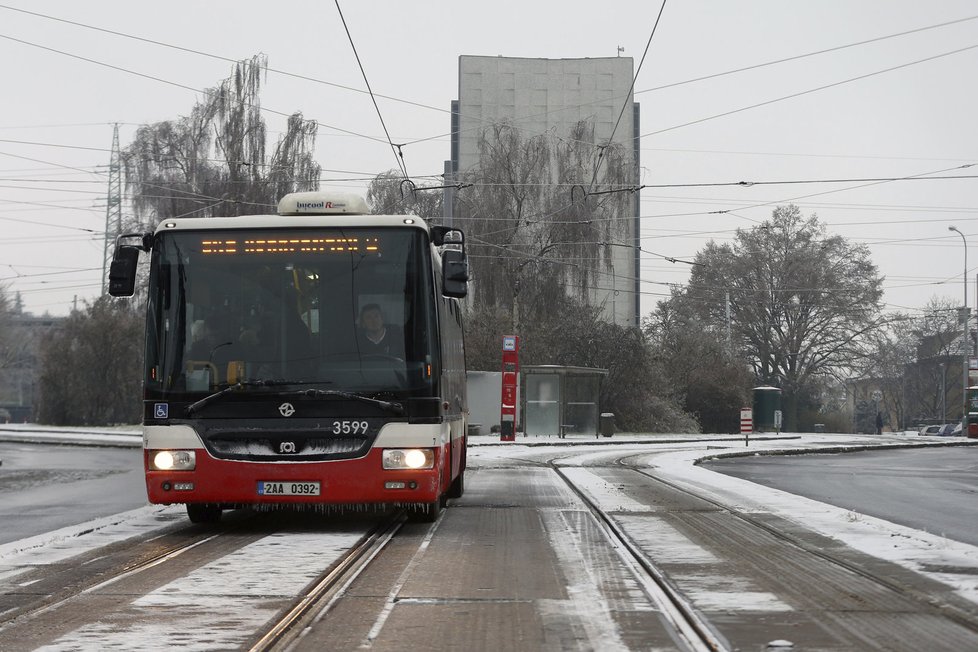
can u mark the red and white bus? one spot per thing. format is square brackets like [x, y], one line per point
[265, 384]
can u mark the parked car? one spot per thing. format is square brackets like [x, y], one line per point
[945, 430]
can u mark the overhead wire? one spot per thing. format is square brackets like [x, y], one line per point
[439, 109]
[628, 96]
[400, 162]
[729, 72]
[808, 92]
[172, 83]
[798, 57]
[218, 57]
[389, 142]
[395, 149]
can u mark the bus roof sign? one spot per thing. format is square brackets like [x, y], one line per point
[322, 203]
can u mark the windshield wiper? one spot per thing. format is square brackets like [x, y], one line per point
[241, 384]
[390, 406]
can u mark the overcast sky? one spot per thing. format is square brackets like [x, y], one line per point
[845, 114]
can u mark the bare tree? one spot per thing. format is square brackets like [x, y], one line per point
[8, 340]
[916, 363]
[214, 161]
[91, 367]
[802, 302]
[711, 381]
[390, 194]
[530, 239]
[637, 389]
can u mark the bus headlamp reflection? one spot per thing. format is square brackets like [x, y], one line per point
[173, 461]
[409, 458]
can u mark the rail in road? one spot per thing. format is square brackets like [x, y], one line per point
[534, 556]
[318, 599]
[690, 627]
[52, 591]
[829, 595]
[964, 613]
[86, 602]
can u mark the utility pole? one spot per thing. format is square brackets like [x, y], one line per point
[448, 196]
[113, 207]
[966, 330]
[729, 341]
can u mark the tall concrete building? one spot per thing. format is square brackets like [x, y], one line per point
[540, 96]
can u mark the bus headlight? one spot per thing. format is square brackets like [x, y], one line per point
[409, 458]
[173, 461]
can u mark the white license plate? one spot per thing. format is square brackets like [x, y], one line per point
[274, 488]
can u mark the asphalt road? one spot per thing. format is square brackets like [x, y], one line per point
[46, 487]
[934, 489]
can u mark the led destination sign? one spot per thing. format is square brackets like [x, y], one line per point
[289, 245]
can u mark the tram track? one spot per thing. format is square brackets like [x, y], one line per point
[960, 614]
[47, 597]
[688, 625]
[751, 579]
[322, 594]
[79, 586]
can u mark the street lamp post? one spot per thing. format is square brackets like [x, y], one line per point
[967, 335]
[943, 393]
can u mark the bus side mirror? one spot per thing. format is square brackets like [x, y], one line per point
[447, 235]
[122, 271]
[454, 273]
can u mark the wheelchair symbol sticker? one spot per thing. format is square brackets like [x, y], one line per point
[161, 410]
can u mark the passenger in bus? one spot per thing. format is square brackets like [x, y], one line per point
[376, 336]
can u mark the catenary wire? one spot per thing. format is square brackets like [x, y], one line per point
[395, 149]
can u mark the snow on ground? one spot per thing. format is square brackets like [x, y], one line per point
[676, 462]
[125, 436]
[221, 604]
[56, 546]
[907, 547]
[672, 457]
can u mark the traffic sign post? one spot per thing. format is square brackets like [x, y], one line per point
[746, 424]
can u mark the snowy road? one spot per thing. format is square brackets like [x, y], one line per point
[932, 490]
[520, 563]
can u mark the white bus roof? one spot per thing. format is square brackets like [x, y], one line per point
[298, 210]
[322, 203]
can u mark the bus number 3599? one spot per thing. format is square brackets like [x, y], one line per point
[349, 427]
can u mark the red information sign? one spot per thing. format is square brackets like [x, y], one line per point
[510, 382]
[746, 420]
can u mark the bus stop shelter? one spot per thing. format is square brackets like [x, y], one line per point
[561, 400]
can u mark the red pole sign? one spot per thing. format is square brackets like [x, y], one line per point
[510, 382]
[746, 420]
[746, 423]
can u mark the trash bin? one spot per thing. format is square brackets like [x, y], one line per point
[767, 402]
[607, 424]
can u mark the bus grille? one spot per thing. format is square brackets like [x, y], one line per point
[287, 447]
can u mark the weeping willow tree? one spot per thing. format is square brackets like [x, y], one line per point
[532, 243]
[215, 160]
[389, 194]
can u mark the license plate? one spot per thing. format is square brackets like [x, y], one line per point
[275, 488]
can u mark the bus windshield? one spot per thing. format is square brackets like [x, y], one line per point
[346, 309]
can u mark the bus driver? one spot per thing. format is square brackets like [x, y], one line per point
[375, 336]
